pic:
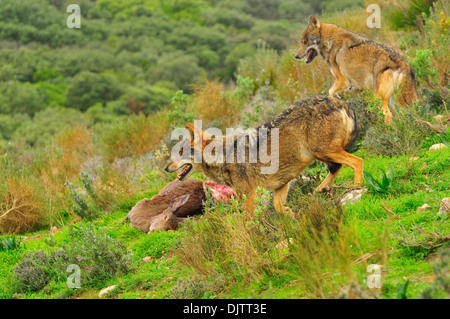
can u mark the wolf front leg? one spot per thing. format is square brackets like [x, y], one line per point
[279, 200]
[341, 82]
[248, 202]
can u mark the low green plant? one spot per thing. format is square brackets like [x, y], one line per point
[85, 201]
[421, 64]
[245, 88]
[179, 115]
[402, 289]
[440, 287]
[11, 243]
[34, 271]
[99, 257]
[381, 185]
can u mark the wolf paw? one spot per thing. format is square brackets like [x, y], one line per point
[287, 211]
[322, 189]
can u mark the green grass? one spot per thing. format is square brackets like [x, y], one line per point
[418, 181]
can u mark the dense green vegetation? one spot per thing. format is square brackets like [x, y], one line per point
[126, 52]
[85, 122]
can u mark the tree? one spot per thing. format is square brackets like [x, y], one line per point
[87, 89]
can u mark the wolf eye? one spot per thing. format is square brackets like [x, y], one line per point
[305, 42]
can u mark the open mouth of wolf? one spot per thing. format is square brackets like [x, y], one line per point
[310, 55]
[184, 172]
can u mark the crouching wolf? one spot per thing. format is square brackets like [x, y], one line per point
[315, 128]
[358, 62]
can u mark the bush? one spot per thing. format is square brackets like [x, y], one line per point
[177, 67]
[87, 89]
[34, 271]
[134, 135]
[422, 67]
[20, 205]
[17, 97]
[440, 288]
[405, 135]
[212, 103]
[39, 131]
[98, 255]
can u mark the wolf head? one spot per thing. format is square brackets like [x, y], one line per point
[188, 148]
[310, 40]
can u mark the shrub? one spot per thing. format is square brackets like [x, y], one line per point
[177, 67]
[46, 125]
[440, 288]
[383, 184]
[87, 89]
[262, 67]
[212, 103]
[20, 205]
[422, 67]
[10, 243]
[99, 257]
[17, 97]
[405, 135]
[407, 13]
[61, 164]
[34, 271]
[179, 115]
[134, 135]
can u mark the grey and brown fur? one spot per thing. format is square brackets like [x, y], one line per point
[315, 128]
[360, 63]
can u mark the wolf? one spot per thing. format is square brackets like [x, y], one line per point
[315, 128]
[358, 62]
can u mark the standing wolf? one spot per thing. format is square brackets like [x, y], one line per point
[315, 128]
[358, 62]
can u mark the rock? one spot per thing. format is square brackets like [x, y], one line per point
[353, 196]
[283, 244]
[423, 208]
[437, 147]
[438, 118]
[445, 206]
[147, 258]
[106, 291]
[354, 291]
[54, 230]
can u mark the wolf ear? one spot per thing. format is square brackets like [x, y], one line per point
[178, 202]
[191, 128]
[313, 21]
[196, 135]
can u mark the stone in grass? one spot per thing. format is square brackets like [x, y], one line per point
[423, 208]
[445, 206]
[353, 196]
[106, 291]
[437, 147]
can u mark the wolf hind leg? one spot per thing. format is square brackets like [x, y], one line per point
[279, 200]
[325, 186]
[342, 157]
[248, 201]
[385, 89]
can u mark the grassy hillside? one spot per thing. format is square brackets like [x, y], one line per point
[85, 122]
